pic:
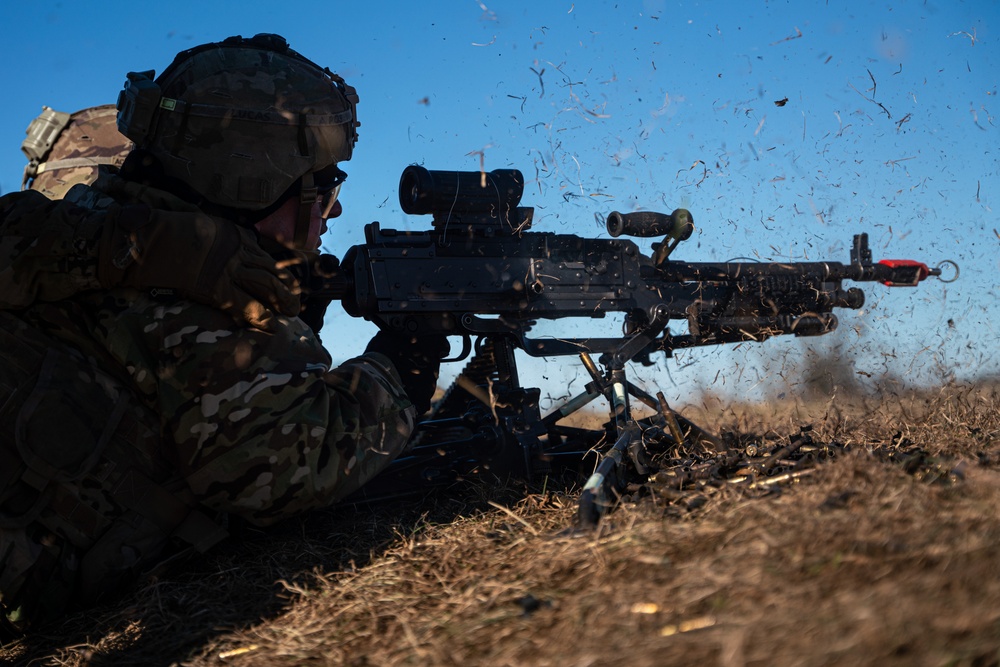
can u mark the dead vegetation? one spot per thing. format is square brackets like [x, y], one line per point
[867, 560]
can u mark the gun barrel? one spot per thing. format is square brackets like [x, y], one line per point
[894, 273]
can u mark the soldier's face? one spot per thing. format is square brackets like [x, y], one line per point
[280, 225]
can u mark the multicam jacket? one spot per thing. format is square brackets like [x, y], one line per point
[255, 423]
[127, 422]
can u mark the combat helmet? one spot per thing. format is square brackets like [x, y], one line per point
[242, 121]
[66, 149]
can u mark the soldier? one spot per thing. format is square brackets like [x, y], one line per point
[153, 376]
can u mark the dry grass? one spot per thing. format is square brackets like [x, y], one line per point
[863, 561]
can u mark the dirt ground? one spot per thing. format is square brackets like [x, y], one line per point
[887, 553]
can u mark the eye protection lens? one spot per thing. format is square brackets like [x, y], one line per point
[328, 199]
[328, 183]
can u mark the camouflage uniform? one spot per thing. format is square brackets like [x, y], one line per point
[130, 415]
[256, 423]
[232, 399]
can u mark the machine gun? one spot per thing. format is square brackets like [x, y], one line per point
[480, 274]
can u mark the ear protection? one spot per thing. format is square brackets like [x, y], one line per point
[137, 104]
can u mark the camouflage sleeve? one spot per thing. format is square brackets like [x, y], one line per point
[48, 249]
[263, 427]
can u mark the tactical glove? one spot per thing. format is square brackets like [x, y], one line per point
[417, 360]
[205, 259]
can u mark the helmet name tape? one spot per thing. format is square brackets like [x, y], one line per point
[276, 117]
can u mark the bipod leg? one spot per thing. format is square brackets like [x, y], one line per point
[601, 490]
[609, 479]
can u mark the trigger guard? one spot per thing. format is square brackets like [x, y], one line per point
[464, 354]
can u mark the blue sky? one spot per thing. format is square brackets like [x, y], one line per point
[889, 127]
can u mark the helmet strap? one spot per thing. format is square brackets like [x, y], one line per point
[307, 198]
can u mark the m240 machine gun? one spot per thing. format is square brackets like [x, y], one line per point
[480, 274]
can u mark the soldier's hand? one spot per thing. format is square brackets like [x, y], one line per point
[417, 360]
[208, 260]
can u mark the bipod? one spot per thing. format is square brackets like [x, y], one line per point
[628, 452]
[631, 439]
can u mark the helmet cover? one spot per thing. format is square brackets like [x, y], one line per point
[83, 141]
[241, 121]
